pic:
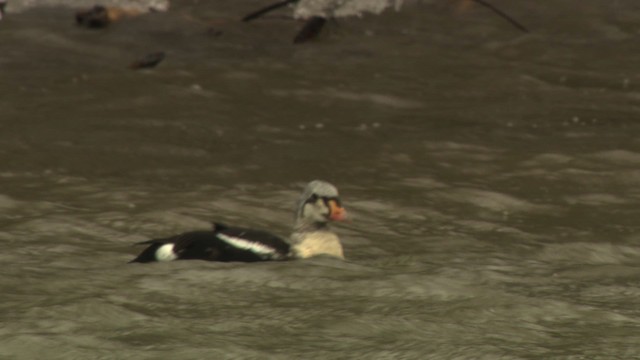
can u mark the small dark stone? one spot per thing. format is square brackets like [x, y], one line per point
[149, 61]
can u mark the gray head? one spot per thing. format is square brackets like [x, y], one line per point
[319, 204]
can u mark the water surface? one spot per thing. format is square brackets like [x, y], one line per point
[491, 176]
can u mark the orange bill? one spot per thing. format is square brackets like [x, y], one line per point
[336, 212]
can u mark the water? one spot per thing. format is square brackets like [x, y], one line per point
[492, 179]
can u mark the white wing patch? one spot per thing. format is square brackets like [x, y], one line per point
[165, 253]
[253, 246]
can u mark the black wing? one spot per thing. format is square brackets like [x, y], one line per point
[221, 244]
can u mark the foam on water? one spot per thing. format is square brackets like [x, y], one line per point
[7, 202]
[382, 100]
[618, 157]
[590, 253]
[492, 200]
[342, 8]
[303, 9]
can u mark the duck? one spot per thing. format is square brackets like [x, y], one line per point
[318, 205]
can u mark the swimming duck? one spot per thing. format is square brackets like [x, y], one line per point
[319, 204]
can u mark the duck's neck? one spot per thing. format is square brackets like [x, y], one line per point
[304, 225]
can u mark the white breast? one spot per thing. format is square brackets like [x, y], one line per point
[317, 243]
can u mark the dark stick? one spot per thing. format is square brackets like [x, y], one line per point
[257, 14]
[503, 15]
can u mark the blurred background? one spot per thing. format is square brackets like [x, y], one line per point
[492, 177]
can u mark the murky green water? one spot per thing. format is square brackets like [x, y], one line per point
[493, 179]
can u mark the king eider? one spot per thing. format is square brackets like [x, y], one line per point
[318, 205]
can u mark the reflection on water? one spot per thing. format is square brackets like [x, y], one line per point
[492, 178]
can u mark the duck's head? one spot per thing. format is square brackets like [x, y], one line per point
[319, 204]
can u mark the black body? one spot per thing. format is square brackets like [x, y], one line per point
[210, 245]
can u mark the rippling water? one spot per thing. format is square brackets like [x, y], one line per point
[492, 177]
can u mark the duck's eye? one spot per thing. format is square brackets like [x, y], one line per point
[313, 198]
